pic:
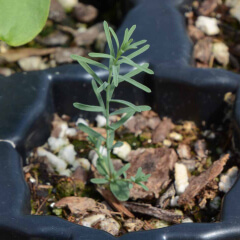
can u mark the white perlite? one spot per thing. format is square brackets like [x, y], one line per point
[68, 154]
[55, 161]
[123, 151]
[174, 201]
[231, 3]
[208, 25]
[71, 132]
[83, 162]
[221, 53]
[181, 178]
[228, 179]
[176, 136]
[93, 156]
[101, 121]
[81, 120]
[56, 144]
[235, 11]
[89, 221]
[68, 4]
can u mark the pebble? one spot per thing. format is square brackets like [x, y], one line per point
[167, 143]
[208, 25]
[101, 121]
[110, 225]
[221, 53]
[89, 221]
[71, 132]
[228, 179]
[235, 11]
[174, 201]
[181, 178]
[85, 13]
[123, 151]
[68, 5]
[68, 154]
[81, 120]
[33, 63]
[6, 71]
[176, 136]
[83, 162]
[93, 156]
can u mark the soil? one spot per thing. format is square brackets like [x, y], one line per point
[220, 50]
[192, 168]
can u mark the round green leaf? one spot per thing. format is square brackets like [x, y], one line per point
[120, 190]
[22, 20]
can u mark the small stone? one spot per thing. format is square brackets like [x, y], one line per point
[167, 143]
[110, 225]
[122, 151]
[83, 162]
[235, 11]
[91, 220]
[85, 13]
[231, 3]
[181, 178]
[56, 12]
[184, 151]
[71, 132]
[203, 50]
[174, 201]
[54, 39]
[228, 179]
[6, 71]
[187, 220]
[68, 5]
[32, 64]
[66, 172]
[176, 136]
[101, 121]
[208, 25]
[195, 33]
[68, 154]
[221, 53]
[133, 225]
[59, 127]
[81, 120]
[56, 144]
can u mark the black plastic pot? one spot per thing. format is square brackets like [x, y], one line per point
[28, 100]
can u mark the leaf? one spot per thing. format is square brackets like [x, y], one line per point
[89, 108]
[123, 169]
[102, 87]
[99, 180]
[132, 29]
[117, 144]
[115, 37]
[22, 20]
[101, 167]
[89, 61]
[134, 107]
[119, 123]
[91, 72]
[110, 139]
[138, 52]
[139, 173]
[120, 190]
[100, 55]
[143, 108]
[136, 44]
[108, 36]
[90, 131]
[143, 186]
[98, 95]
[136, 71]
[135, 83]
[115, 75]
[130, 62]
[121, 111]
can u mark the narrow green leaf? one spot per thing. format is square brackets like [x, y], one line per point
[101, 167]
[109, 39]
[139, 173]
[89, 108]
[119, 123]
[135, 83]
[89, 61]
[138, 52]
[99, 180]
[100, 55]
[115, 75]
[121, 111]
[123, 169]
[117, 144]
[115, 37]
[91, 72]
[136, 44]
[132, 29]
[90, 131]
[98, 95]
[134, 107]
[120, 190]
[136, 71]
[143, 108]
[110, 139]
[102, 87]
[112, 88]
[130, 62]
[143, 186]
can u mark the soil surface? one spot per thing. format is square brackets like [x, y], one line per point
[191, 170]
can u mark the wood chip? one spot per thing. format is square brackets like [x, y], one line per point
[200, 148]
[14, 55]
[162, 130]
[196, 184]
[156, 161]
[195, 33]
[207, 7]
[149, 210]
[162, 200]
[184, 151]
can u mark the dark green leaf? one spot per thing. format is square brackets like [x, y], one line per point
[123, 169]
[99, 180]
[81, 59]
[120, 190]
[135, 83]
[109, 39]
[89, 108]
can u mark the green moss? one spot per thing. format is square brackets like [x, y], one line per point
[81, 147]
[66, 189]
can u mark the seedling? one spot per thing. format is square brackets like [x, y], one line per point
[118, 182]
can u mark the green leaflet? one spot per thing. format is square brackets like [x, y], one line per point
[100, 55]
[136, 71]
[89, 108]
[136, 44]
[98, 95]
[135, 83]
[99, 180]
[115, 75]
[90, 131]
[132, 29]
[117, 144]
[138, 52]
[89, 61]
[134, 107]
[102, 87]
[121, 111]
[120, 190]
[109, 40]
[119, 123]
[123, 169]
[115, 37]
